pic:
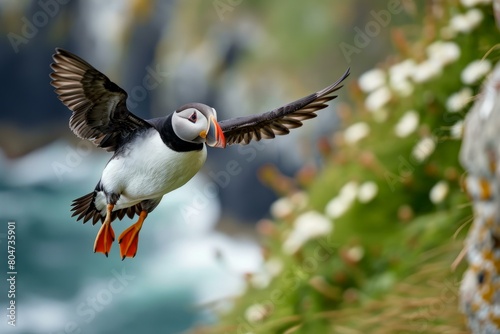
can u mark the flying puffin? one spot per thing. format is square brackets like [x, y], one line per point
[153, 157]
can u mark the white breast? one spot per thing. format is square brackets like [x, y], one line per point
[149, 169]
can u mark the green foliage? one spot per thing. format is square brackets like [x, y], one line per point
[384, 264]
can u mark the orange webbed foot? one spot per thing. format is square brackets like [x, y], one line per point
[104, 239]
[106, 235]
[129, 239]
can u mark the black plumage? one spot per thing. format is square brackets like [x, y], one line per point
[279, 121]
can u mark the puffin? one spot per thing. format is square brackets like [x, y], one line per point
[155, 156]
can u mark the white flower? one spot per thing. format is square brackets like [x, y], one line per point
[457, 130]
[356, 132]
[475, 71]
[349, 191]
[281, 208]
[472, 3]
[407, 124]
[338, 205]
[438, 192]
[285, 206]
[307, 226]
[459, 100]
[439, 54]
[459, 23]
[371, 80]
[402, 70]
[423, 149]
[427, 70]
[256, 313]
[399, 75]
[403, 87]
[443, 52]
[355, 253]
[367, 191]
[378, 98]
[260, 280]
[274, 266]
[466, 22]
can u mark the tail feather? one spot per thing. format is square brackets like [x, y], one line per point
[97, 217]
[121, 213]
[133, 210]
[86, 210]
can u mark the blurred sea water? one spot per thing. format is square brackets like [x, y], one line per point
[63, 287]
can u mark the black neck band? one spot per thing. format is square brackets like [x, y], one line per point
[170, 139]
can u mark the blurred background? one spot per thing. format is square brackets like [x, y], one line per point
[241, 57]
[207, 260]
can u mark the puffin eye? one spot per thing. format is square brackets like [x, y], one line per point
[193, 117]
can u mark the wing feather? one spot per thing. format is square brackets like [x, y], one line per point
[99, 107]
[280, 121]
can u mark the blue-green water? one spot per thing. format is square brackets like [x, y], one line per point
[63, 287]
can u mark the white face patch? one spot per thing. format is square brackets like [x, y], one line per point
[188, 124]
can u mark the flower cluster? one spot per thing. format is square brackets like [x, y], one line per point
[391, 181]
[402, 77]
[386, 88]
[465, 23]
[306, 226]
[347, 195]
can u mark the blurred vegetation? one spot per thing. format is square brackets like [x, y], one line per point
[389, 262]
[384, 213]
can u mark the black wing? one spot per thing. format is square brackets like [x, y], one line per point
[99, 107]
[279, 121]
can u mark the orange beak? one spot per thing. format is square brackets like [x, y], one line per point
[215, 135]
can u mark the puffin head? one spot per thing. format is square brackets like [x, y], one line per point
[197, 123]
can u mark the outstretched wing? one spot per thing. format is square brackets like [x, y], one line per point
[279, 121]
[99, 107]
